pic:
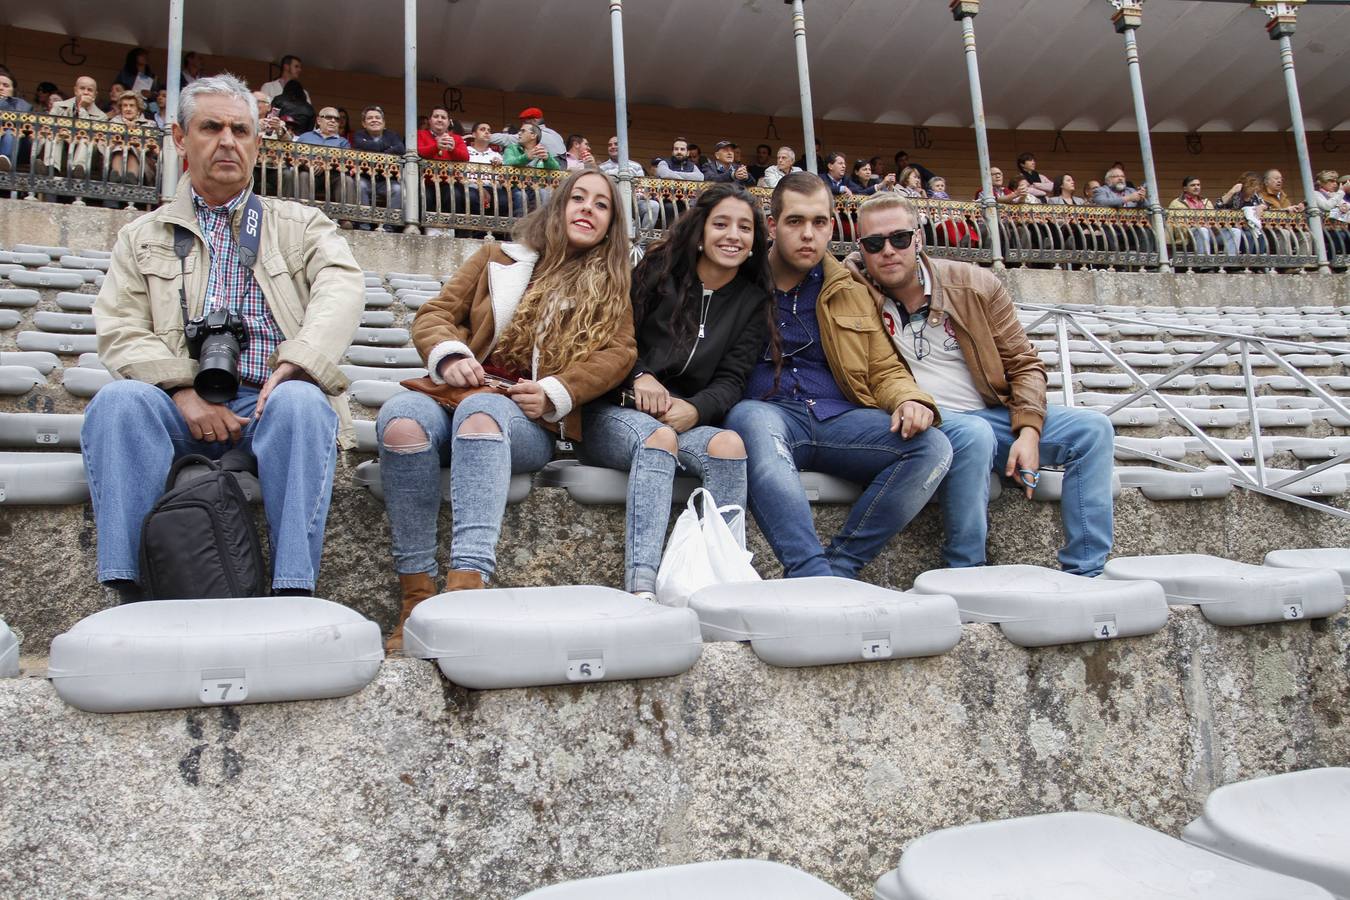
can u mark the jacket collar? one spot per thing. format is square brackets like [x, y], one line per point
[181, 211]
[507, 283]
[937, 304]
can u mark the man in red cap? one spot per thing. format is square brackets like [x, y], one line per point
[550, 139]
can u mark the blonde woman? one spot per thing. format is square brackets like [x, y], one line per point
[545, 323]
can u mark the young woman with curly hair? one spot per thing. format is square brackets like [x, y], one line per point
[702, 314]
[550, 313]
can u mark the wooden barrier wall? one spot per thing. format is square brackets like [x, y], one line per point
[1218, 158]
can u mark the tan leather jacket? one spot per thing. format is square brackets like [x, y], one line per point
[860, 353]
[476, 305]
[1006, 370]
[314, 289]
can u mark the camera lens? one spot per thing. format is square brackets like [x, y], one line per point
[217, 378]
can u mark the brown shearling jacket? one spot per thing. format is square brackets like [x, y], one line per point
[474, 308]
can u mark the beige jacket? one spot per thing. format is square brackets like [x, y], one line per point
[313, 286]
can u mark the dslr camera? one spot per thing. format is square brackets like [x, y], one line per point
[216, 341]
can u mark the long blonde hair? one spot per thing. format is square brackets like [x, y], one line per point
[576, 301]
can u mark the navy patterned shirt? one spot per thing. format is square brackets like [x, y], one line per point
[231, 284]
[806, 375]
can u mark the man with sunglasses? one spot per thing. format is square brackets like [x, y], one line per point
[956, 329]
[837, 401]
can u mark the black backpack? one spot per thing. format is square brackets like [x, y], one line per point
[199, 539]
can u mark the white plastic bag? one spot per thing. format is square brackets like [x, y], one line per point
[703, 550]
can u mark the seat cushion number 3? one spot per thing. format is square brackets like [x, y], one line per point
[1293, 610]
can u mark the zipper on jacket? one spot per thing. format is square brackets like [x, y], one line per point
[705, 304]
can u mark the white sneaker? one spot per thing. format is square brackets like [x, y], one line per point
[434, 232]
[645, 595]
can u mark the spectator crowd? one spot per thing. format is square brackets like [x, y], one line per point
[287, 114]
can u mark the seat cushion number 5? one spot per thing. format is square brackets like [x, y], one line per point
[591, 669]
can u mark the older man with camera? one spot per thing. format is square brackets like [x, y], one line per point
[224, 316]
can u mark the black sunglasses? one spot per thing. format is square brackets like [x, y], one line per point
[874, 243]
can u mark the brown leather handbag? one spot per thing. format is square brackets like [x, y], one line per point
[568, 429]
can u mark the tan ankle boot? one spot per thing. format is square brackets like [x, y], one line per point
[463, 580]
[416, 588]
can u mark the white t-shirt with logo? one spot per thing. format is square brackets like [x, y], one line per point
[933, 356]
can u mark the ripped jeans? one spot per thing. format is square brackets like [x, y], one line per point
[615, 437]
[782, 437]
[481, 466]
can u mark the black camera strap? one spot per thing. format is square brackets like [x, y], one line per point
[250, 237]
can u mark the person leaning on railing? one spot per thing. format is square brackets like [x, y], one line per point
[438, 142]
[528, 152]
[783, 166]
[1197, 236]
[124, 163]
[1331, 200]
[373, 137]
[1245, 196]
[10, 149]
[326, 135]
[83, 105]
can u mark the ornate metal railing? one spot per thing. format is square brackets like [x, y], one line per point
[349, 185]
[58, 156]
[55, 156]
[1226, 238]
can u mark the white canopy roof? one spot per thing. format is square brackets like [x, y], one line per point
[1046, 64]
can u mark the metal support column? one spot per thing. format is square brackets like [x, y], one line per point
[1283, 18]
[174, 73]
[625, 175]
[964, 11]
[1128, 16]
[412, 181]
[804, 83]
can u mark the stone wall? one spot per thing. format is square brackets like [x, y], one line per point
[414, 787]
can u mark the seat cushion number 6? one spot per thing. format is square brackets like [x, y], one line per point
[592, 669]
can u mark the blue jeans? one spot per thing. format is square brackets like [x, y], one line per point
[782, 437]
[480, 478]
[1079, 440]
[133, 432]
[8, 145]
[615, 437]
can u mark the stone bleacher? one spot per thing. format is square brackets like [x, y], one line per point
[49, 370]
[427, 787]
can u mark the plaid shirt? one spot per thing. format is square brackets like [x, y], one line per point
[231, 284]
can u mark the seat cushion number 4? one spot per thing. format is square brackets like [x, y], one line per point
[585, 669]
[1104, 630]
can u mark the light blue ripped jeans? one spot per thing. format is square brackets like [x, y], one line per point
[481, 466]
[616, 437]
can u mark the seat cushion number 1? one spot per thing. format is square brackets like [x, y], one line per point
[585, 669]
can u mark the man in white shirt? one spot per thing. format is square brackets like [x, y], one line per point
[647, 208]
[290, 70]
[956, 329]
